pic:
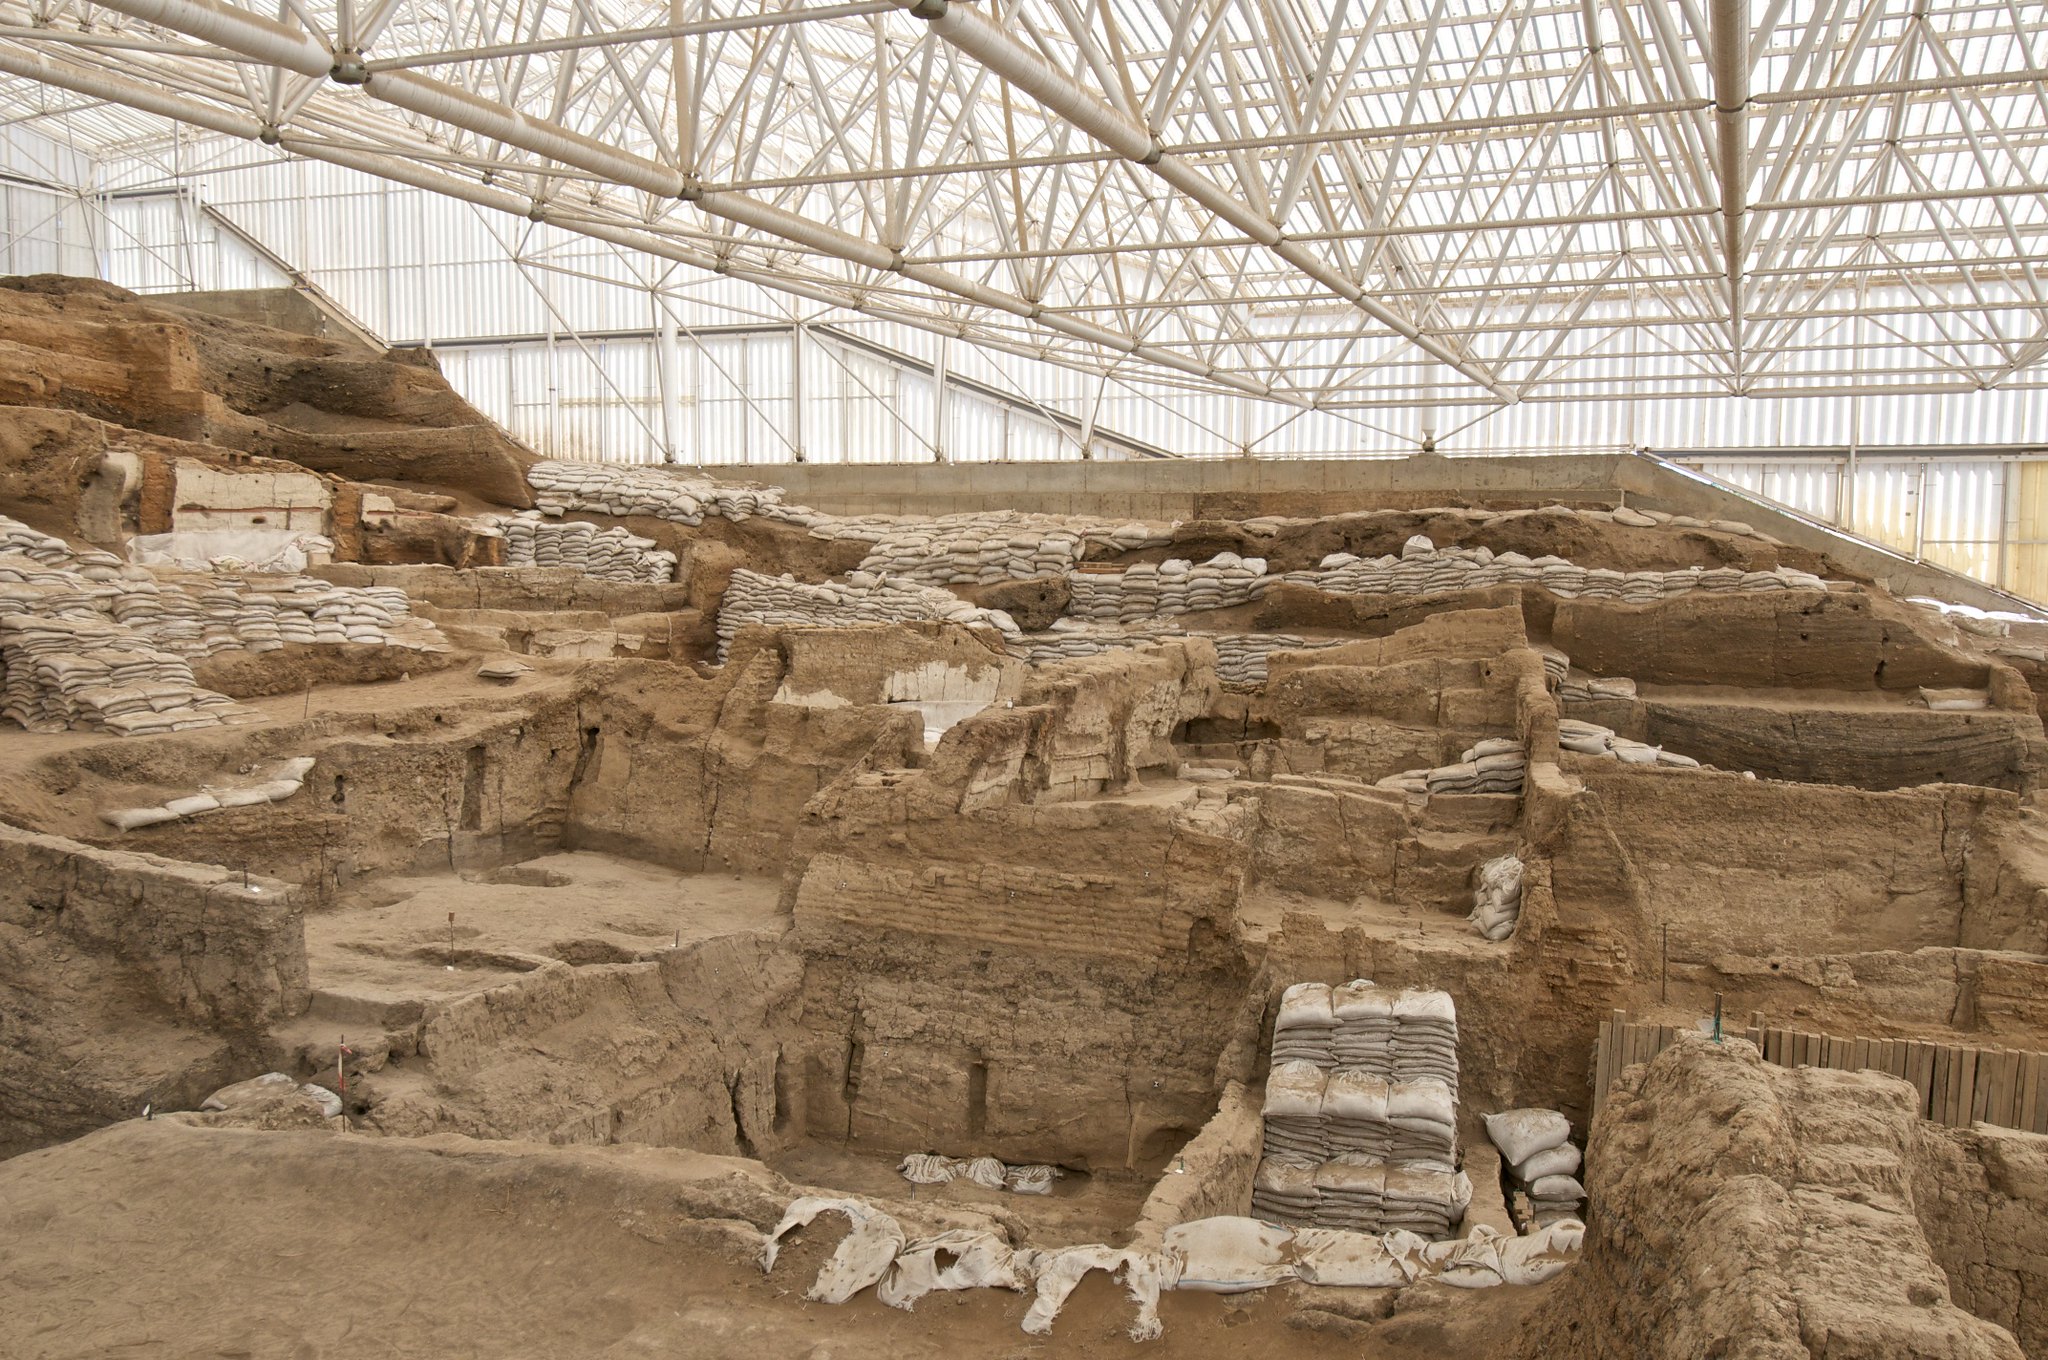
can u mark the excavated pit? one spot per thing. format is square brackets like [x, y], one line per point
[628, 893]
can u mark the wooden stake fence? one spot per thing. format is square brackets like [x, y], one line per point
[1958, 1083]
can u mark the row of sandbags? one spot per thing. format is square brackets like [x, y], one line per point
[783, 601]
[608, 554]
[1579, 687]
[1495, 765]
[1363, 1194]
[983, 547]
[931, 1168]
[1591, 739]
[1316, 1113]
[65, 673]
[1222, 1255]
[272, 782]
[1398, 1034]
[199, 614]
[617, 489]
[1241, 658]
[1424, 569]
[1542, 1165]
[1497, 897]
[1148, 590]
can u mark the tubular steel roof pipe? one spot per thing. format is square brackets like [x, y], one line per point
[132, 93]
[987, 42]
[294, 49]
[1729, 29]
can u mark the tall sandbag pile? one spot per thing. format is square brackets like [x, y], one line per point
[1542, 1165]
[1591, 739]
[1361, 1112]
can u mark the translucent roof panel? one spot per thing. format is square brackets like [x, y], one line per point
[1340, 204]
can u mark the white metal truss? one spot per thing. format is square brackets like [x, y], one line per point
[1336, 205]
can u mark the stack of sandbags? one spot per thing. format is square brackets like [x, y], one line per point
[1422, 1120]
[1426, 1038]
[1496, 765]
[65, 673]
[614, 489]
[1284, 1190]
[927, 1168]
[1426, 1202]
[752, 598]
[1364, 1038]
[1585, 688]
[1334, 1139]
[1351, 1193]
[1148, 590]
[1591, 739]
[1555, 665]
[608, 554]
[1535, 1146]
[1305, 1026]
[1071, 639]
[1295, 1111]
[1425, 569]
[1241, 657]
[1497, 897]
[1354, 1114]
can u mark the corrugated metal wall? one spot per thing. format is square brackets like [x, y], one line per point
[1984, 517]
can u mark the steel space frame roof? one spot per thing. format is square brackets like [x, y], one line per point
[1335, 204]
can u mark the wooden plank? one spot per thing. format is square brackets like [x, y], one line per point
[1886, 1058]
[1599, 1066]
[2026, 1085]
[2040, 1120]
[1924, 1056]
[1938, 1108]
[1998, 1103]
[1966, 1102]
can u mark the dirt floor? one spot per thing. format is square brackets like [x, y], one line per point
[163, 1240]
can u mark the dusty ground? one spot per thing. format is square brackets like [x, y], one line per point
[163, 1240]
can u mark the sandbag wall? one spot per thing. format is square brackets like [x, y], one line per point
[1425, 569]
[608, 554]
[90, 642]
[1176, 586]
[862, 598]
[1361, 1112]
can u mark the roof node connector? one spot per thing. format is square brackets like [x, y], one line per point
[349, 68]
[929, 9]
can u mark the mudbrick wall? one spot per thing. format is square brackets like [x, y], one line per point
[1745, 1209]
[224, 954]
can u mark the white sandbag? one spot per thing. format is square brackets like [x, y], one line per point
[1468, 1263]
[1333, 1257]
[270, 1086]
[1143, 1275]
[1537, 1256]
[980, 1260]
[1427, 1100]
[1521, 1134]
[192, 804]
[1305, 1005]
[926, 1168]
[130, 819]
[1294, 1090]
[1562, 1160]
[863, 1257]
[1557, 1187]
[1954, 700]
[1357, 1096]
[1230, 1255]
[983, 1171]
